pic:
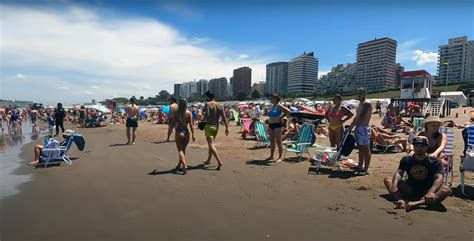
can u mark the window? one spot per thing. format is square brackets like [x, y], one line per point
[407, 83]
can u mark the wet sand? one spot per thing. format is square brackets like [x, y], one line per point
[127, 192]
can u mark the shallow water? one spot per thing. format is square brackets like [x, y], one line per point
[10, 149]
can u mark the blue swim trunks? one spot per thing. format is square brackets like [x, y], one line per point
[362, 135]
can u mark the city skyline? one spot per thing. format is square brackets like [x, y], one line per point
[112, 50]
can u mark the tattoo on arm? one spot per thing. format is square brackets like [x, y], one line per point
[438, 182]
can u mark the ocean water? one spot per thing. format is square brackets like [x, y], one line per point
[10, 149]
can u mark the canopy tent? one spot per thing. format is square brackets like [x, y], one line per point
[457, 96]
[100, 108]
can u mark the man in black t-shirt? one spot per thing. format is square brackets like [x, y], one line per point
[424, 185]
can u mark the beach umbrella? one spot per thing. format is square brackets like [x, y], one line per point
[166, 109]
[100, 108]
[154, 109]
[121, 110]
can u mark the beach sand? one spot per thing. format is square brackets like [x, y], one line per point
[127, 192]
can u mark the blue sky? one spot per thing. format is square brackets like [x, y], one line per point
[73, 51]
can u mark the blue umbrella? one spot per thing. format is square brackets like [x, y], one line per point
[121, 110]
[166, 109]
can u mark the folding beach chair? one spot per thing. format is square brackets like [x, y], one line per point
[380, 143]
[330, 156]
[53, 152]
[261, 132]
[246, 127]
[467, 163]
[448, 152]
[303, 142]
[417, 124]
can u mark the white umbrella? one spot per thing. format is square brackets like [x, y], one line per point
[100, 108]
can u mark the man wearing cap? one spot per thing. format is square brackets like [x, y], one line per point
[424, 185]
[363, 131]
[38, 149]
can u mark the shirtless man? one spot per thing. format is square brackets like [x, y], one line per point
[362, 131]
[171, 119]
[212, 112]
[2, 118]
[132, 120]
[33, 118]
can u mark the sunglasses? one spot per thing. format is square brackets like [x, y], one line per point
[420, 145]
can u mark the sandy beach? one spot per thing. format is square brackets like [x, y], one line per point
[128, 192]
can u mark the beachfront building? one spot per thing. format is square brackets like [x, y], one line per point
[177, 91]
[456, 61]
[201, 87]
[259, 87]
[242, 81]
[218, 86]
[376, 67]
[188, 89]
[302, 74]
[340, 79]
[277, 78]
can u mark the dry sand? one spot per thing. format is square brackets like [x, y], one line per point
[127, 192]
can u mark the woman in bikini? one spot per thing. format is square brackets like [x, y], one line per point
[183, 119]
[275, 124]
[337, 115]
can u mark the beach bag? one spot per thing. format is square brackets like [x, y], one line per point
[201, 125]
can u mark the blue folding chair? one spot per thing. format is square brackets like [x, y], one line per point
[302, 143]
[261, 132]
[54, 152]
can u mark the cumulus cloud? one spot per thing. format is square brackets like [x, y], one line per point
[423, 58]
[20, 76]
[243, 56]
[95, 87]
[77, 47]
[323, 72]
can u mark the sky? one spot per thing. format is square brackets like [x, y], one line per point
[74, 51]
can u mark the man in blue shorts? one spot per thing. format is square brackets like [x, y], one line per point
[362, 131]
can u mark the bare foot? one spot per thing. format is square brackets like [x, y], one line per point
[34, 162]
[413, 205]
[400, 204]
[219, 166]
[279, 160]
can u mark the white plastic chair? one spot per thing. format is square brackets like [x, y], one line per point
[448, 151]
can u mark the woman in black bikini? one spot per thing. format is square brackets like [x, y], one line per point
[275, 124]
[183, 118]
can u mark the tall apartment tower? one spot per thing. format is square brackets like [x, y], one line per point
[201, 87]
[242, 81]
[177, 91]
[218, 87]
[456, 61]
[302, 74]
[277, 78]
[376, 64]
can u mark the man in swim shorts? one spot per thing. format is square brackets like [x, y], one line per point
[132, 120]
[363, 131]
[212, 113]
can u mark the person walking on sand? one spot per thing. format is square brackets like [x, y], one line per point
[131, 111]
[33, 118]
[213, 111]
[362, 131]
[183, 119]
[59, 118]
[275, 125]
[424, 185]
[173, 110]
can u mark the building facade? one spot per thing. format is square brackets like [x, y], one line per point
[339, 80]
[177, 91]
[242, 81]
[218, 86]
[456, 61]
[188, 89]
[201, 87]
[259, 87]
[302, 74]
[376, 65]
[277, 78]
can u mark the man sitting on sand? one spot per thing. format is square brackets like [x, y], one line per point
[424, 185]
[38, 149]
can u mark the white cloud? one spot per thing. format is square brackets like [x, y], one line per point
[323, 72]
[243, 56]
[63, 87]
[95, 87]
[423, 58]
[79, 47]
[88, 92]
[20, 76]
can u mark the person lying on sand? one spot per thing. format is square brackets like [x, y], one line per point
[424, 185]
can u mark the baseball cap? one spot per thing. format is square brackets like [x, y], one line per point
[420, 140]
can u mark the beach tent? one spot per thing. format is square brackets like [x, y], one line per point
[100, 108]
[457, 96]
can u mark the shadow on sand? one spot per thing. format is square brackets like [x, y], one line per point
[119, 144]
[175, 171]
[54, 164]
[469, 190]
[439, 207]
[259, 162]
[332, 173]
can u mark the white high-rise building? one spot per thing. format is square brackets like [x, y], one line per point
[456, 61]
[302, 74]
[376, 65]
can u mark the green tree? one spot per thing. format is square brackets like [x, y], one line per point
[164, 94]
[255, 94]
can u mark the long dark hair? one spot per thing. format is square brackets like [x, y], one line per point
[181, 114]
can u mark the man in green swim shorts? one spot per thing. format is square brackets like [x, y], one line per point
[212, 113]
